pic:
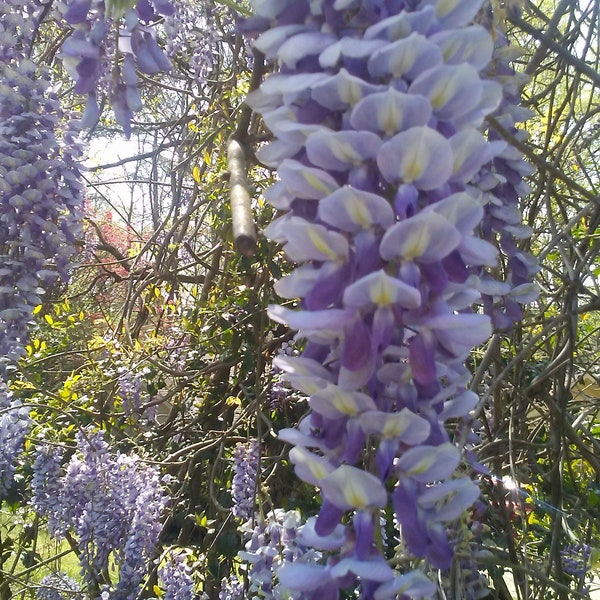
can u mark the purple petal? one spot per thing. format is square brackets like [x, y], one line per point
[333, 402]
[374, 569]
[305, 374]
[419, 155]
[77, 47]
[475, 251]
[283, 89]
[356, 352]
[341, 150]
[472, 45]
[454, 13]
[350, 209]
[410, 585]
[77, 11]
[429, 463]
[402, 24]
[301, 45]
[404, 425]
[351, 488]
[348, 49]
[381, 290]
[303, 577]
[390, 112]
[271, 40]
[145, 10]
[309, 537]
[323, 325]
[308, 466]
[306, 182]
[450, 499]
[426, 237]
[364, 529]
[91, 114]
[471, 151]
[453, 90]
[405, 58]
[342, 90]
[460, 333]
[461, 209]
[306, 241]
[460, 405]
[165, 8]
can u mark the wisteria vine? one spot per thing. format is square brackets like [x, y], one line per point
[394, 193]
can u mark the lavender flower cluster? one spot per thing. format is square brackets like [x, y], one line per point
[393, 196]
[176, 577]
[281, 539]
[89, 52]
[40, 188]
[131, 394]
[193, 37]
[112, 504]
[245, 478]
[58, 586]
[14, 426]
[576, 559]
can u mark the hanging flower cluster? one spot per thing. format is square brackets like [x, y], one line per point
[14, 426]
[280, 539]
[91, 57]
[243, 484]
[40, 189]
[393, 196]
[111, 503]
[176, 577]
[58, 586]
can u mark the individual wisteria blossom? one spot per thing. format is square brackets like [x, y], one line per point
[14, 426]
[112, 504]
[40, 188]
[400, 209]
[91, 56]
[58, 586]
[245, 479]
[176, 577]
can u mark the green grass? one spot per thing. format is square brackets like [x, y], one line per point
[28, 554]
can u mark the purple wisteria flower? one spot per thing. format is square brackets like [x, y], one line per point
[90, 54]
[245, 478]
[394, 199]
[112, 505]
[58, 586]
[14, 426]
[40, 187]
[176, 577]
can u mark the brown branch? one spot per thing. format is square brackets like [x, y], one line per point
[244, 232]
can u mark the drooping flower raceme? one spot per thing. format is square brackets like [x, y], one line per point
[392, 197]
[176, 578]
[58, 586]
[112, 504]
[272, 543]
[245, 476]
[14, 426]
[40, 188]
[89, 52]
